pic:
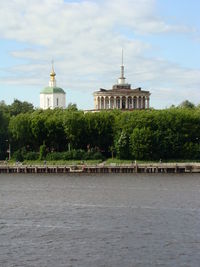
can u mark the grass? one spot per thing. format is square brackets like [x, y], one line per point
[109, 161]
[116, 161]
[62, 162]
[126, 161]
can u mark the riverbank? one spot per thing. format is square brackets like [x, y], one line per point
[104, 168]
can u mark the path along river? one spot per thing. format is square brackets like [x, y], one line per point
[100, 220]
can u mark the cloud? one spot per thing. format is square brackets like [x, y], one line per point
[51, 22]
[85, 40]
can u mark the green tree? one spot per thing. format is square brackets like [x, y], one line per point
[20, 131]
[38, 129]
[4, 121]
[56, 137]
[74, 125]
[141, 143]
[72, 107]
[99, 130]
[18, 107]
[122, 146]
[186, 104]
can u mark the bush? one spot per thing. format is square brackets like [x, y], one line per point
[17, 155]
[31, 155]
[74, 154]
[97, 155]
[77, 154]
[68, 155]
[54, 156]
[93, 154]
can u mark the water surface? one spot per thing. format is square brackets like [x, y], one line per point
[100, 220]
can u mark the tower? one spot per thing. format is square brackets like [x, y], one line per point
[121, 79]
[52, 96]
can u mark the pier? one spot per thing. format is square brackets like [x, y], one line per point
[134, 168]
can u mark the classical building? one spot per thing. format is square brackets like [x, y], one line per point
[121, 96]
[52, 96]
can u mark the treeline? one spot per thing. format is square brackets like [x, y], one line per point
[172, 133]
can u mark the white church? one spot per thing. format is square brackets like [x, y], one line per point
[52, 96]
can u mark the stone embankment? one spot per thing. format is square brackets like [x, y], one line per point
[131, 168]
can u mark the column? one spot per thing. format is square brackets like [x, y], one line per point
[109, 104]
[120, 102]
[132, 102]
[137, 103]
[141, 102]
[144, 102]
[101, 102]
[114, 104]
[148, 102]
[126, 102]
[96, 104]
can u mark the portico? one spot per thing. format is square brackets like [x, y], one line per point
[108, 101]
[121, 96]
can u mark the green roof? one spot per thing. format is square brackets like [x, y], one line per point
[52, 90]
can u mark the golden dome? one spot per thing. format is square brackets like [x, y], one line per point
[52, 74]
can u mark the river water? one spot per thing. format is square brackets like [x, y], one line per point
[100, 220]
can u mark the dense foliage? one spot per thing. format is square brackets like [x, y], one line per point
[172, 133]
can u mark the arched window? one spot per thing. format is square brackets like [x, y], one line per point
[123, 102]
[106, 103]
[140, 102]
[102, 103]
[134, 102]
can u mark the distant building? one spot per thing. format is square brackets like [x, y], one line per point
[121, 96]
[52, 96]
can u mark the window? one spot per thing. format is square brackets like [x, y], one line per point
[57, 101]
[134, 102]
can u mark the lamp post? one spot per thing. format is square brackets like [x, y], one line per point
[9, 150]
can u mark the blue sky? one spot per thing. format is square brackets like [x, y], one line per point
[161, 42]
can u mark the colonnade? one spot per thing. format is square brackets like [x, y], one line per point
[122, 102]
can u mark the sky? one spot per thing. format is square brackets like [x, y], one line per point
[160, 39]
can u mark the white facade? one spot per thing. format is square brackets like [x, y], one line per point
[54, 100]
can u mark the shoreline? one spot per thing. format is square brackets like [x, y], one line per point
[104, 168]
